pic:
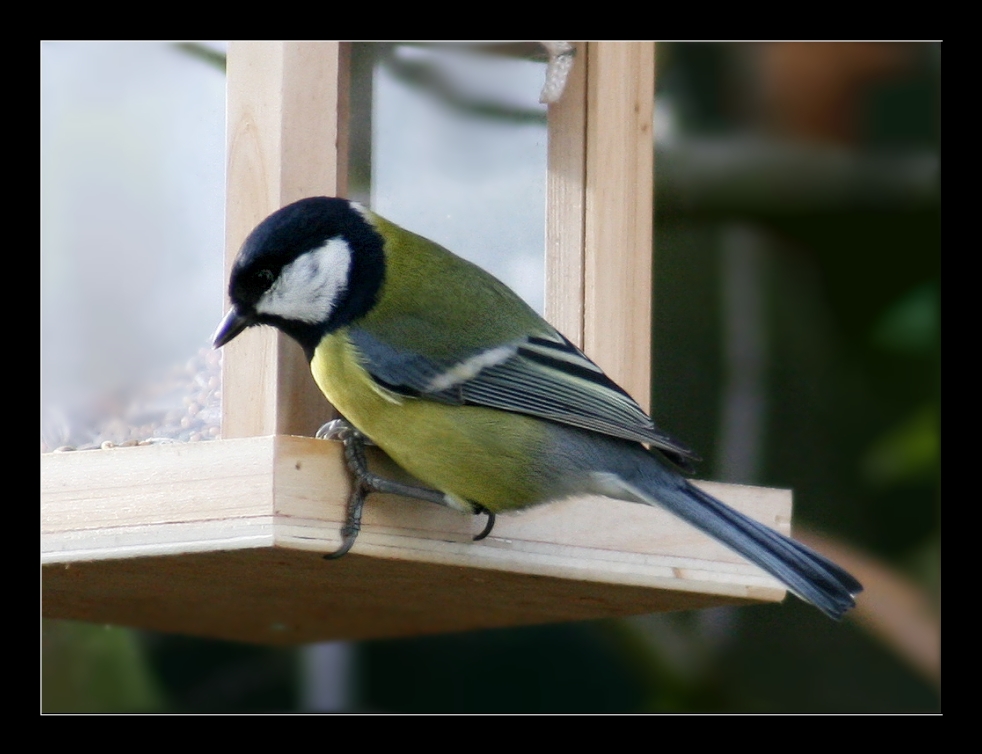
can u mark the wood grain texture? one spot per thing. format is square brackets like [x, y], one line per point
[287, 139]
[565, 203]
[296, 597]
[224, 539]
[619, 212]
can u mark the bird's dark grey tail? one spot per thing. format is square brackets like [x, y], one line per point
[807, 574]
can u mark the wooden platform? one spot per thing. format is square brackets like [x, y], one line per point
[224, 539]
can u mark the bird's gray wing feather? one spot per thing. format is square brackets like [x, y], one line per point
[544, 376]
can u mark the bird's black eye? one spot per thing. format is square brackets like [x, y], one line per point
[251, 285]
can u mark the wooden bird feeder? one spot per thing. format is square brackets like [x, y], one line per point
[224, 539]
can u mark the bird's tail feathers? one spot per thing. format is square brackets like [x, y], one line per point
[807, 574]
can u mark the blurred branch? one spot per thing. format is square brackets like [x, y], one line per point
[892, 608]
[515, 50]
[203, 52]
[676, 652]
[735, 175]
[429, 76]
[740, 438]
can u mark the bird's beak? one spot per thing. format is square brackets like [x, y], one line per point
[232, 325]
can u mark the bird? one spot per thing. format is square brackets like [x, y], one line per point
[468, 389]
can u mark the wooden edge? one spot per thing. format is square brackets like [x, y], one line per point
[290, 492]
[224, 539]
[277, 596]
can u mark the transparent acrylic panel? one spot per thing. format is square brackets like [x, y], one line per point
[459, 153]
[132, 220]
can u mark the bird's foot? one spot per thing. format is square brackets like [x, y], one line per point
[365, 481]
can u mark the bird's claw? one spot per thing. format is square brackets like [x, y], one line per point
[340, 429]
[488, 526]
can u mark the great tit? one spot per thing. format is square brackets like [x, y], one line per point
[462, 384]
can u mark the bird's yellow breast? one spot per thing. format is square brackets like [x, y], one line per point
[478, 454]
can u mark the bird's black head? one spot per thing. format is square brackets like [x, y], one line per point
[308, 268]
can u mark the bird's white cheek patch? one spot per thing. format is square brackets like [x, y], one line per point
[308, 288]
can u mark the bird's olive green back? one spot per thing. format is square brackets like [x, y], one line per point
[444, 306]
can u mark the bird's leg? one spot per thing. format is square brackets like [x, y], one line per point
[352, 523]
[365, 482]
[354, 453]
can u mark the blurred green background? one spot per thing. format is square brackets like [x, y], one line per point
[796, 344]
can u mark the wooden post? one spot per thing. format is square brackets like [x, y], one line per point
[287, 139]
[565, 200]
[601, 199]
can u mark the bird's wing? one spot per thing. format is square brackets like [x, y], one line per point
[544, 376]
